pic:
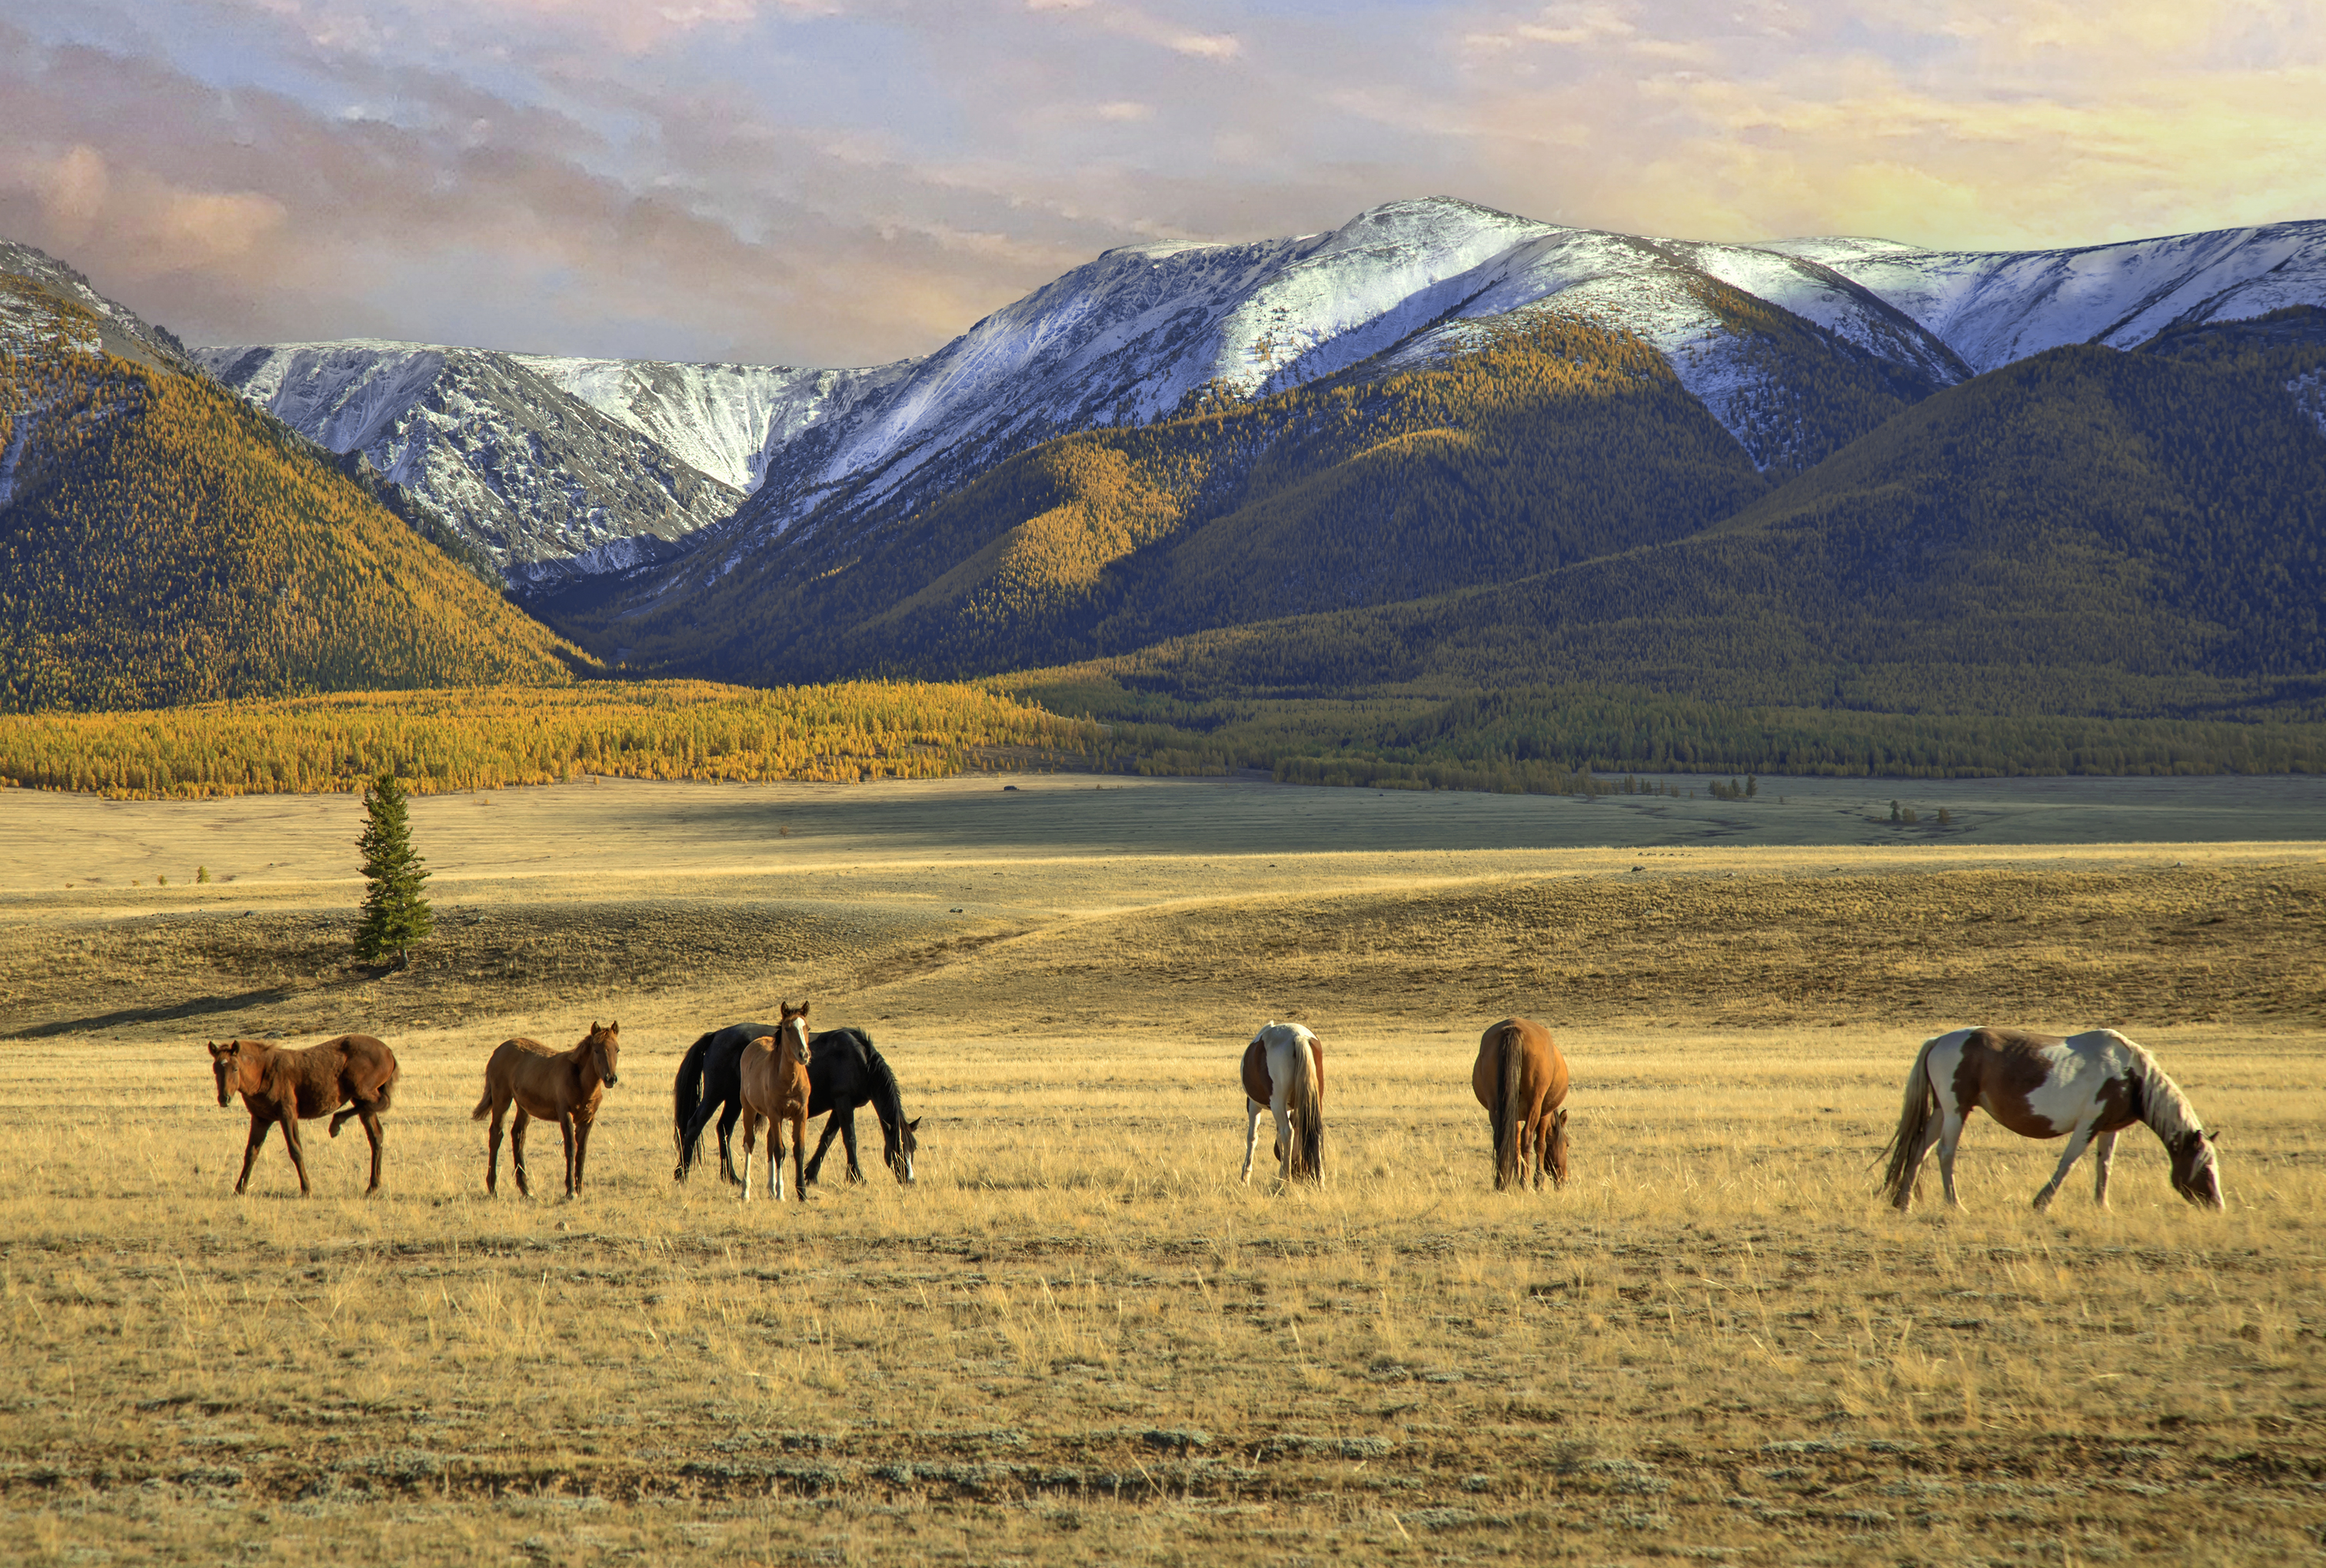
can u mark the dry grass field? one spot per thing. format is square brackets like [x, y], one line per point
[1078, 1337]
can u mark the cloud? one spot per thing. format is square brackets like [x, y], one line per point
[847, 181]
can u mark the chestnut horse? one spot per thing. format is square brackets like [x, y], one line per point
[1284, 1072]
[774, 1087]
[284, 1085]
[1522, 1081]
[564, 1085]
[2089, 1086]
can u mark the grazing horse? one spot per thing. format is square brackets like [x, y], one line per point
[564, 1085]
[354, 1070]
[775, 1087]
[1284, 1072]
[2089, 1086]
[706, 1086]
[845, 1072]
[1522, 1081]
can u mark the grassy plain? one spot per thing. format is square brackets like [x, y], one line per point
[1079, 1338]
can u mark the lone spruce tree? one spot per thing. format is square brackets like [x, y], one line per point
[394, 913]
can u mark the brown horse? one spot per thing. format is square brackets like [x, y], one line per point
[284, 1085]
[774, 1086]
[563, 1084]
[1522, 1081]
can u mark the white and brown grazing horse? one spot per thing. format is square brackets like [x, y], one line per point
[2087, 1086]
[1284, 1072]
[1520, 1079]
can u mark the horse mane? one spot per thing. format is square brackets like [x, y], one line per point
[887, 1095]
[2163, 1105]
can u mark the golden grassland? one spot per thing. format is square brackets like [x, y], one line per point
[1079, 1338]
[495, 736]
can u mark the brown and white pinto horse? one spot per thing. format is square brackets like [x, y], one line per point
[2089, 1086]
[773, 1074]
[565, 1086]
[1522, 1081]
[354, 1070]
[1284, 1072]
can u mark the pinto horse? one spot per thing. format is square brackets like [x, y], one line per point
[1284, 1073]
[773, 1073]
[844, 1073]
[2089, 1086]
[354, 1070]
[564, 1085]
[1522, 1081]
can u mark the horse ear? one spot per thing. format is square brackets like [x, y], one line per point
[593, 1026]
[914, 1125]
[615, 1027]
[804, 1006]
[214, 1049]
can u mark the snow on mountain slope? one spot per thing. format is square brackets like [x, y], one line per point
[120, 331]
[728, 421]
[1994, 307]
[1128, 338]
[525, 470]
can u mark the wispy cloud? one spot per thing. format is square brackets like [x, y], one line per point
[844, 181]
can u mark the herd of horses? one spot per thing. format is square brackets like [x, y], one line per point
[2086, 1088]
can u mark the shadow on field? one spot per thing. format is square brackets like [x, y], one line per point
[196, 1007]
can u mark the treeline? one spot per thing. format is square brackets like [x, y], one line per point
[488, 738]
[166, 543]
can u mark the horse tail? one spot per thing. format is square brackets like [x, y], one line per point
[686, 1095]
[1509, 1111]
[1303, 1102]
[484, 1107]
[1913, 1121]
[386, 1095]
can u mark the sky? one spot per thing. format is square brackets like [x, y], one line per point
[836, 182]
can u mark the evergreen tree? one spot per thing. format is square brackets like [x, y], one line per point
[394, 914]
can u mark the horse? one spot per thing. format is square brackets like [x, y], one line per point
[1522, 1081]
[849, 1075]
[354, 1070]
[773, 1073]
[1284, 1072]
[2089, 1086]
[566, 1085]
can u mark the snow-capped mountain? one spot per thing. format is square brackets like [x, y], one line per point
[25, 322]
[1994, 307]
[1135, 334]
[525, 470]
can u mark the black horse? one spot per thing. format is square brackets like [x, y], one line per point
[844, 1072]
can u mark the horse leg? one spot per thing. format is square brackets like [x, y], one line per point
[1539, 1131]
[750, 1132]
[1931, 1129]
[2077, 1141]
[372, 1131]
[848, 1142]
[734, 1108]
[1253, 1110]
[2103, 1156]
[582, 1151]
[493, 1150]
[565, 1126]
[830, 1131]
[290, 1141]
[1277, 1097]
[1950, 1139]
[258, 1127]
[799, 1152]
[517, 1149]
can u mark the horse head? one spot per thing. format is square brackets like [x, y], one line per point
[1559, 1148]
[794, 1023]
[602, 1047]
[902, 1143]
[2196, 1174]
[226, 1066]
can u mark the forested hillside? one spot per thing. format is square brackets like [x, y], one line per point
[161, 543]
[2084, 532]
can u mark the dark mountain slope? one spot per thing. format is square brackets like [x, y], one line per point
[2085, 530]
[161, 542]
[1552, 439]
